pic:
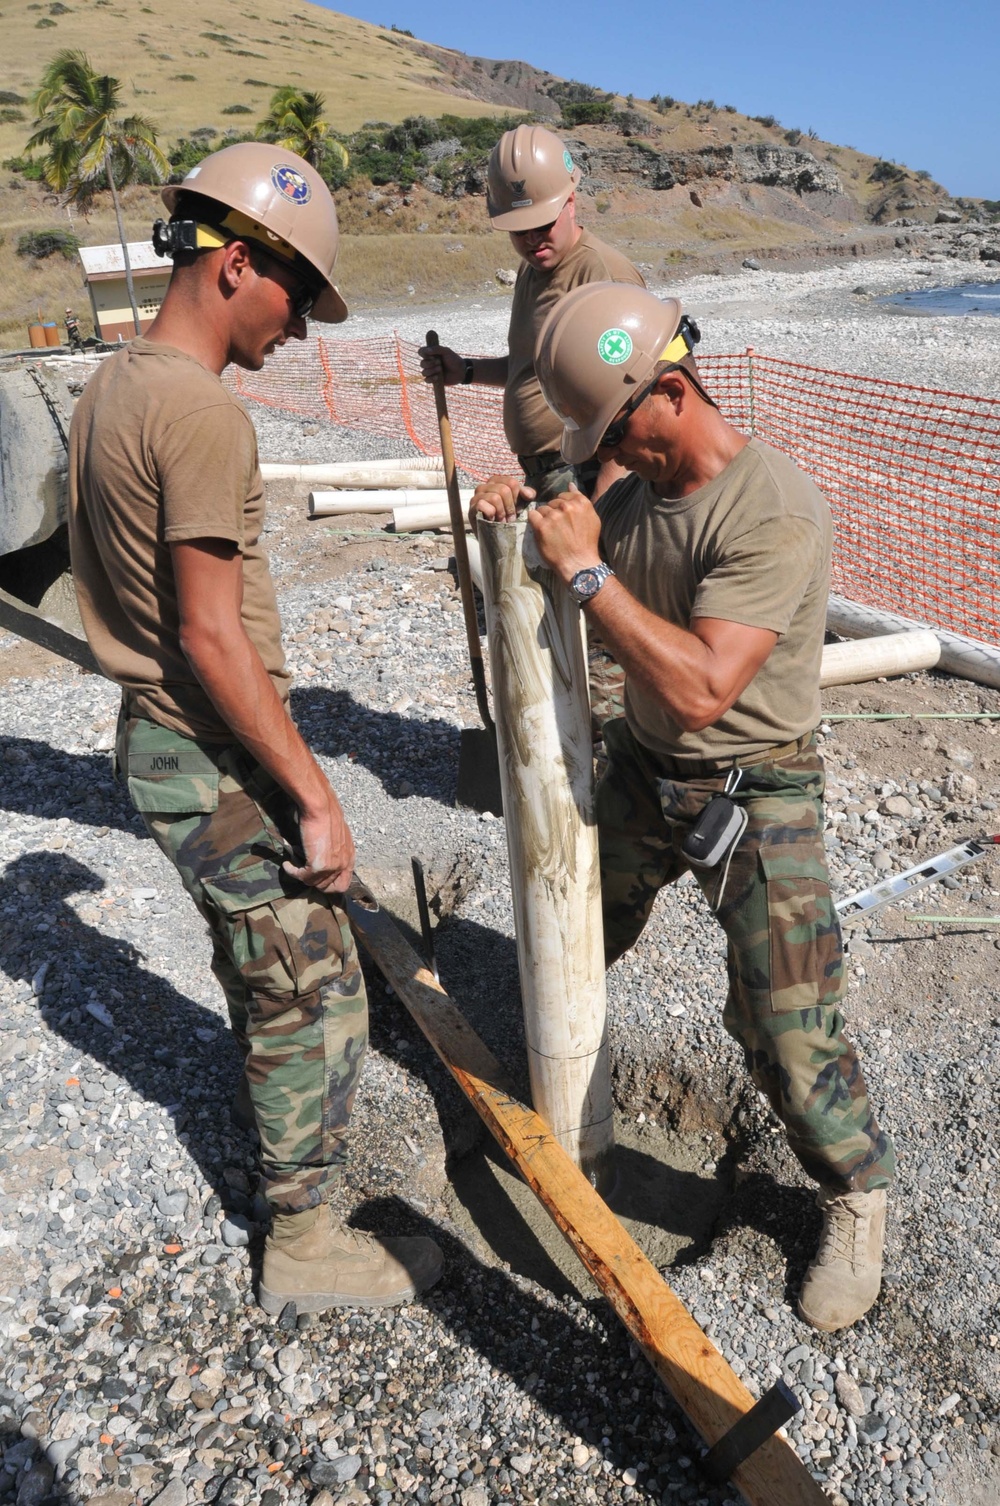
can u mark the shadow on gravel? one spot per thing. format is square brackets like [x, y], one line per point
[26, 1474]
[396, 749]
[169, 1049]
[576, 1361]
[39, 780]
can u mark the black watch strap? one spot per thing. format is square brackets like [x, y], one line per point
[469, 372]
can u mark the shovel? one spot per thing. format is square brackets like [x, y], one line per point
[478, 764]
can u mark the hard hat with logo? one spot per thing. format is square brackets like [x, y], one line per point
[529, 178]
[270, 196]
[597, 347]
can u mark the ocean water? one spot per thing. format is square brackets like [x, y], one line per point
[963, 298]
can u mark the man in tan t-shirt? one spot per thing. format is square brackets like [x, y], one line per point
[532, 195]
[706, 572]
[166, 512]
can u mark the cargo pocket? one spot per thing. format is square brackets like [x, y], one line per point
[168, 773]
[805, 951]
[283, 943]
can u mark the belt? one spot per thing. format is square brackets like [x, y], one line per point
[701, 768]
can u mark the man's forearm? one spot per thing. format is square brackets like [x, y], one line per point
[489, 371]
[671, 664]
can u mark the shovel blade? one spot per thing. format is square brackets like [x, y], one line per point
[479, 771]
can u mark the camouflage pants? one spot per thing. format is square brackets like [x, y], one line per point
[283, 953]
[785, 956]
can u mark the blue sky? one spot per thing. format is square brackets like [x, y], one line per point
[916, 82]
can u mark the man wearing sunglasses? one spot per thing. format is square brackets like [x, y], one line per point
[706, 571]
[166, 515]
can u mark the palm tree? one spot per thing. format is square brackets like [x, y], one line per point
[79, 122]
[294, 120]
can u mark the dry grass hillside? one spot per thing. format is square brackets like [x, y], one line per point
[188, 64]
[188, 67]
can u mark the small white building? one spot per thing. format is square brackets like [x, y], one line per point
[104, 272]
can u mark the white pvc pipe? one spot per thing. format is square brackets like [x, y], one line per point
[871, 658]
[967, 657]
[360, 472]
[541, 700]
[383, 499]
[413, 518]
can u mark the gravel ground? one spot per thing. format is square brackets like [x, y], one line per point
[134, 1365]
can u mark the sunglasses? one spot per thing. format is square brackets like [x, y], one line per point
[302, 296]
[615, 432]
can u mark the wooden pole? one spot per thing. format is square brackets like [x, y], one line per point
[692, 1369]
[868, 658]
[538, 659]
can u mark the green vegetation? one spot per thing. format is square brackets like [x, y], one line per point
[662, 102]
[769, 122]
[43, 243]
[88, 143]
[236, 110]
[587, 112]
[295, 121]
[886, 172]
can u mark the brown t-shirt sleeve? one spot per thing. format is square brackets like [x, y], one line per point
[763, 575]
[205, 463]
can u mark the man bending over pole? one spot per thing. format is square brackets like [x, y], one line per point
[706, 572]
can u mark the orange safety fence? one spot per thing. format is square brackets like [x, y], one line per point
[912, 474]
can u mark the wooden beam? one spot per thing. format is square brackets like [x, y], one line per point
[17, 617]
[693, 1370]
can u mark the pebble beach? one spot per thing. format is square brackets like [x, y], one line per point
[135, 1366]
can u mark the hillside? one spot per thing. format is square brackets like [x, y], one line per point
[674, 183]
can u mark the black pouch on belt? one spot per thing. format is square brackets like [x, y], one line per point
[716, 832]
[718, 828]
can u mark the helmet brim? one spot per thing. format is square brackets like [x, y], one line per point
[329, 307]
[578, 445]
[533, 215]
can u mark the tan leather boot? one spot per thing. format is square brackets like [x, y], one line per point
[333, 1266]
[844, 1278]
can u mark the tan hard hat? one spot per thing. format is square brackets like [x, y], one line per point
[598, 345]
[529, 178]
[274, 197]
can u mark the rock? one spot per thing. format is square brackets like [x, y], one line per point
[174, 1493]
[172, 1204]
[522, 1463]
[961, 787]
[35, 1487]
[581, 1455]
[289, 1359]
[57, 1453]
[751, 263]
[235, 1231]
[335, 1471]
[505, 276]
[948, 217]
[896, 805]
[882, 862]
[849, 1395]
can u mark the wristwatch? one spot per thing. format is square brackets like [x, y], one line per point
[468, 372]
[586, 583]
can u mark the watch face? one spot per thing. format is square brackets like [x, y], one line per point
[586, 583]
